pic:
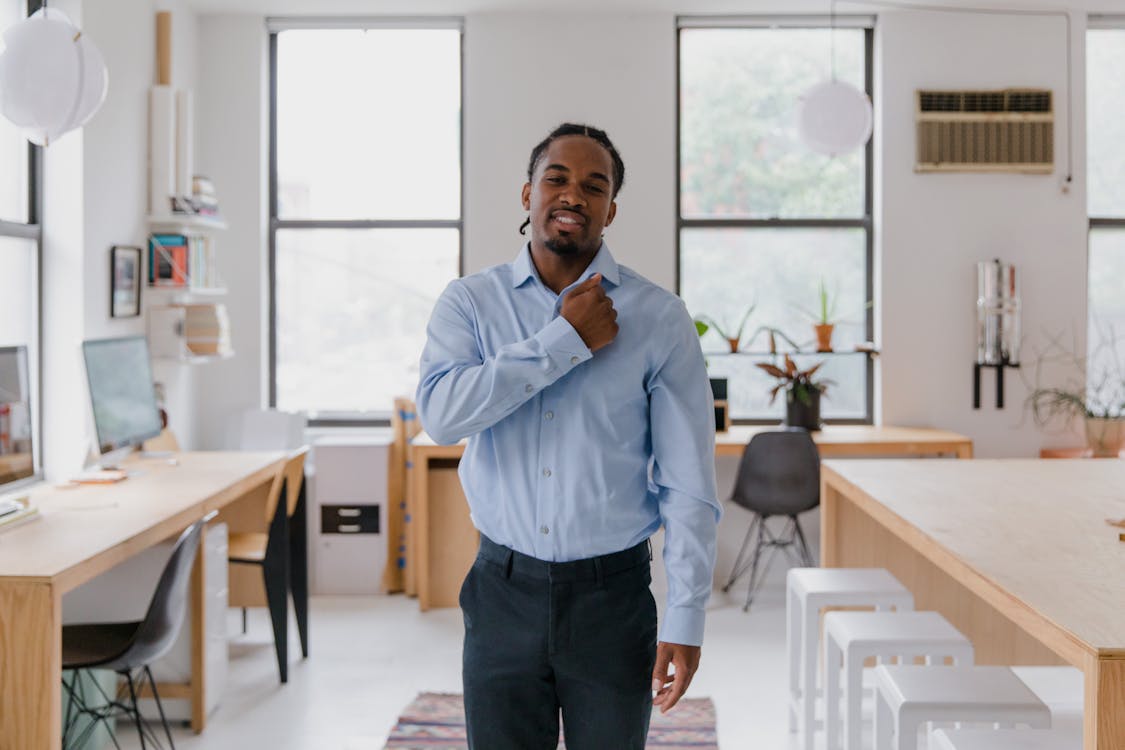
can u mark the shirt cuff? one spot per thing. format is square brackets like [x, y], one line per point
[563, 345]
[683, 625]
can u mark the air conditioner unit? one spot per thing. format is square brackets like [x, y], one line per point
[1011, 130]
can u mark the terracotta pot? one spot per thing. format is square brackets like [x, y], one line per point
[733, 345]
[824, 336]
[1105, 437]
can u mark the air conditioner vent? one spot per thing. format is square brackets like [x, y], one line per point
[1011, 130]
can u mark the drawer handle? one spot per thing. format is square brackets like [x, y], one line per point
[348, 528]
[348, 512]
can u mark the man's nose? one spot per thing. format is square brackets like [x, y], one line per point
[572, 196]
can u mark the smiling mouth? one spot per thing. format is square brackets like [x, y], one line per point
[568, 220]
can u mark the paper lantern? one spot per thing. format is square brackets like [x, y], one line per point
[52, 78]
[834, 118]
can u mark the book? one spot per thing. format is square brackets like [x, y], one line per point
[15, 511]
[168, 260]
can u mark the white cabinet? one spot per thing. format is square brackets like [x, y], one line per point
[348, 514]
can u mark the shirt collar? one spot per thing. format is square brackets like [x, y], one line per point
[603, 263]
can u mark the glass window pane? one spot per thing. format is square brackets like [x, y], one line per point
[369, 124]
[724, 271]
[740, 155]
[13, 146]
[1106, 336]
[19, 326]
[352, 309]
[1105, 122]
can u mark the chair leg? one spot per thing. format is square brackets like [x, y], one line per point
[244, 620]
[136, 711]
[806, 552]
[299, 568]
[277, 590]
[738, 570]
[160, 709]
[757, 560]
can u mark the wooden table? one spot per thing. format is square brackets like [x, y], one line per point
[1016, 553]
[443, 542]
[83, 532]
[839, 441]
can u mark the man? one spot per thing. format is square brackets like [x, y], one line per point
[571, 375]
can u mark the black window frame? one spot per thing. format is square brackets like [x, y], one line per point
[866, 222]
[276, 26]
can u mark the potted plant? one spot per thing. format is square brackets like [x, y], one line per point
[1098, 401]
[704, 323]
[802, 392]
[825, 318]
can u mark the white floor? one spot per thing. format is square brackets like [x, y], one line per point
[371, 655]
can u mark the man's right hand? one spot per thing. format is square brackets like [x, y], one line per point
[590, 311]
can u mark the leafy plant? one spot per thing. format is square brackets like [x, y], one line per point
[800, 383]
[704, 323]
[1078, 396]
[826, 306]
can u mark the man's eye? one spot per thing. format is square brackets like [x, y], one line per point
[595, 189]
[556, 180]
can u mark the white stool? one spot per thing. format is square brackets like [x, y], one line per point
[907, 697]
[858, 635]
[808, 590]
[1006, 739]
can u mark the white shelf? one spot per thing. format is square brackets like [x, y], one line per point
[185, 294]
[185, 223]
[198, 359]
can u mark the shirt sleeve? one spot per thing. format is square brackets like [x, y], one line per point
[682, 413]
[461, 392]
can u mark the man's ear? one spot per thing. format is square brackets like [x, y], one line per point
[526, 196]
[612, 213]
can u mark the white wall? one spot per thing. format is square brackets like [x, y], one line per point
[232, 129]
[933, 228]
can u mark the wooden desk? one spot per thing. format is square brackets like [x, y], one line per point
[84, 532]
[838, 441]
[443, 541]
[1016, 553]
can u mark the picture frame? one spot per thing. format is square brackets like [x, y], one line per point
[124, 281]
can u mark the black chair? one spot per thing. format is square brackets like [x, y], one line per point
[128, 648]
[282, 554]
[779, 476]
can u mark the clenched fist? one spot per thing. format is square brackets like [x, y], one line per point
[590, 311]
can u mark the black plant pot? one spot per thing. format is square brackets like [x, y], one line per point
[802, 408]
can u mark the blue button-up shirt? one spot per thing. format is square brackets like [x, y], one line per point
[562, 440]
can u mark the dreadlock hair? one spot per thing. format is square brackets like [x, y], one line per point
[570, 128]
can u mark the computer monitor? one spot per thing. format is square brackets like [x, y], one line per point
[17, 456]
[121, 392]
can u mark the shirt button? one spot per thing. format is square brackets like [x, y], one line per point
[544, 530]
[549, 415]
[575, 360]
[546, 472]
[528, 388]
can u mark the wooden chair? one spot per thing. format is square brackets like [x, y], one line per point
[398, 574]
[281, 551]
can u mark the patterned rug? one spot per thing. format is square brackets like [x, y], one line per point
[437, 720]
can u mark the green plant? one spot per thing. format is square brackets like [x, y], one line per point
[1077, 396]
[799, 382]
[704, 323]
[826, 306]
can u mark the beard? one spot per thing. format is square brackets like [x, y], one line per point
[567, 247]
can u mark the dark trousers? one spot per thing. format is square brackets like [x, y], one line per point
[576, 638]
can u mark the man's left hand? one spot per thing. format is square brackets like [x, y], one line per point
[670, 687]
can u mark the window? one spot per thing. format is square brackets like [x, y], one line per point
[762, 219]
[365, 210]
[20, 244]
[1105, 169]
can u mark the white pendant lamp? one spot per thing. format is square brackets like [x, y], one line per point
[52, 78]
[834, 117]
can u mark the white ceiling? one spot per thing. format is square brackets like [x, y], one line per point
[686, 7]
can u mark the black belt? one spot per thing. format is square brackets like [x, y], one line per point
[574, 571]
